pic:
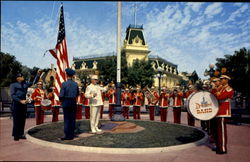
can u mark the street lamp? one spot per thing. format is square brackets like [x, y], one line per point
[210, 72]
[159, 76]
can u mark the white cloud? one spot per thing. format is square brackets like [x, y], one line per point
[238, 13]
[238, 4]
[182, 36]
[192, 48]
[213, 9]
[128, 8]
[28, 44]
[195, 5]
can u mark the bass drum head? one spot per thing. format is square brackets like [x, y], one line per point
[202, 105]
[46, 104]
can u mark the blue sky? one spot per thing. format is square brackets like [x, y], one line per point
[191, 35]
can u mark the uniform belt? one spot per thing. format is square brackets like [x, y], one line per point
[70, 98]
[226, 100]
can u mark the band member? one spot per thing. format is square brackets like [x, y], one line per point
[86, 106]
[190, 118]
[94, 93]
[223, 95]
[112, 100]
[126, 102]
[68, 93]
[55, 104]
[163, 103]
[103, 99]
[152, 101]
[38, 95]
[18, 92]
[177, 104]
[137, 97]
[216, 87]
[79, 102]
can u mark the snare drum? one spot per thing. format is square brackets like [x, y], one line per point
[46, 104]
[202, 105]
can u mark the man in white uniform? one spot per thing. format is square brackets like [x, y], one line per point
[94, 94]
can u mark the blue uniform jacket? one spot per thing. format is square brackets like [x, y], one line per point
[69, 91]
[18, 90]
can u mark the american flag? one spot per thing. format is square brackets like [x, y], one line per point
[61, 55]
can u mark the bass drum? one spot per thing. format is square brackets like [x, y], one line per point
[46, 104]
[202, 105]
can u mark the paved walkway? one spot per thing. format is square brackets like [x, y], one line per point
[24, 150]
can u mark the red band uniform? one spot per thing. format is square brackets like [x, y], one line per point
[102, 106]
[152, 104]
[177, 104]
[213, 122]
[137, 97]
[55, 104]
[86, 106]
[126, 102]
[163, 103]
[38, 95]
[224, 96]
[190, 118]
[112, 101]
[79, 103]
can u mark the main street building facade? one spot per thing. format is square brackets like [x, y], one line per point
[134, 47]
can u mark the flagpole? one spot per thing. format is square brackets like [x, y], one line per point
[118, 108]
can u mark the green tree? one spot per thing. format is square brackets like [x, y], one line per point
[141, 73]
[107, 69]
[9, 69]
[238, 68]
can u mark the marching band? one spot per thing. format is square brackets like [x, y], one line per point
[136, 98]
[131, 97]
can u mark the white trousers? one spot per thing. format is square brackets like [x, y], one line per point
[94, 117]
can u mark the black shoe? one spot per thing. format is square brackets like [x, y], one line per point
[16, 138]
[221, 152]
[22, 137]
[64, 138]
[214, 149]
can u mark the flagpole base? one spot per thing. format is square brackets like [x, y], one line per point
[118, 116]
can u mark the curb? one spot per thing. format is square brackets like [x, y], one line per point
[106, 150]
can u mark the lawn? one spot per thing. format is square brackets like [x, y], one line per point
[155, 134]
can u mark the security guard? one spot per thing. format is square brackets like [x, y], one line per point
[18, 91]
[68, 93]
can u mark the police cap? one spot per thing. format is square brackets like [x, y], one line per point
[19, 75]
[70, 72]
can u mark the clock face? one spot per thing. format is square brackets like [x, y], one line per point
[136, 41]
